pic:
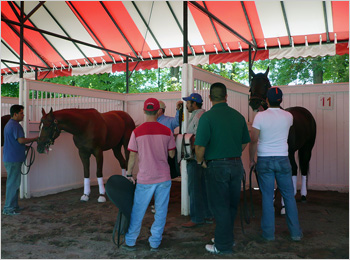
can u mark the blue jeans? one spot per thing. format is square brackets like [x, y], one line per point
[223, 180]
[142, 198]
[270, 168]
[12, 185]
[199, 208]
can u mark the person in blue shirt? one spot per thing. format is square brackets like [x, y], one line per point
[13, 157]
[170, 122]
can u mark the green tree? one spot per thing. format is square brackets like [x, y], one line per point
[10, 90]
[329, 69]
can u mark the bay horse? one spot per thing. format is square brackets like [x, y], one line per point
[302, 133]
[4, 120]
[93, 133]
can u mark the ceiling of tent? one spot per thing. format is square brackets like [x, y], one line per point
[105, 32]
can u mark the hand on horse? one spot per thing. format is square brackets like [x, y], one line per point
[131, 179]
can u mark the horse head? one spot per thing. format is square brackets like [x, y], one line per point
[49, 131]
[258, 90]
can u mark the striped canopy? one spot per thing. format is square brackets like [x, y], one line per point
[86, 37]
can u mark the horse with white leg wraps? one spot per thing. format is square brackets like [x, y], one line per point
[93, 133]
[302, 133]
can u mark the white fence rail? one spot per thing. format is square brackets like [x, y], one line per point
[6, 103]
[48, 95]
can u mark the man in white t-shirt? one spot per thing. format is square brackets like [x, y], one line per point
[152, 142]
[269, 137]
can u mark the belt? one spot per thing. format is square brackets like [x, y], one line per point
[226, 159]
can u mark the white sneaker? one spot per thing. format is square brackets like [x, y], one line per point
[212, 249]
[283, 211]
[84, 198]
[101, 198]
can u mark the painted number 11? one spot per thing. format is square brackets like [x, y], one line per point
[326, 101]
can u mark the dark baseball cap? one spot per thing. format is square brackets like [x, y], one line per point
[194, 97]
[274, 94]
[151, 104]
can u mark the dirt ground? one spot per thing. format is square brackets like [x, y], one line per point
[60, 226]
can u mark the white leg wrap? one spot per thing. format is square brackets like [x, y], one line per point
[303, 191]
[295, 183]
[282, 201]
[87, 186]
[86, 194]
[124, 173]
[101, 186]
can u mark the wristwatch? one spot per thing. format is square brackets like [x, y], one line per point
[201, 163]
[129, 175]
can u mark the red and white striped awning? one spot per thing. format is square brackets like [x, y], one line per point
[152, 33]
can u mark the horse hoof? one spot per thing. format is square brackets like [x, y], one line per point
[283, 211]
[101, 199]
[303, 198]
[84, 198]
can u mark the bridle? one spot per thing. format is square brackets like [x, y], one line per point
[53, 131]
[259, 97]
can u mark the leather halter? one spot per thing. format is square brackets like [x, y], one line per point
[54, 132]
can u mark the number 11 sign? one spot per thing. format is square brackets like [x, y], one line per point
[326, 101]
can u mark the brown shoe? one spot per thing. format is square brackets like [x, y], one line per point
[191, 224]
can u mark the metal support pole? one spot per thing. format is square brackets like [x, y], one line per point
[185, 40]
[250, 64]
[186, 68]
[127, 75]
[23, 190]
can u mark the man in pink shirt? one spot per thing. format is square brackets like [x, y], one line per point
[152, 142]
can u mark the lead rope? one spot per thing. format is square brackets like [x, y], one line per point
[31, 160]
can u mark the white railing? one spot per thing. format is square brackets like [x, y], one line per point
[6, 103]
[49, 95]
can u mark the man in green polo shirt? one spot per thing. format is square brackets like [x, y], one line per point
[222, 135]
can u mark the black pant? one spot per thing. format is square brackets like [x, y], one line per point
[223, 181]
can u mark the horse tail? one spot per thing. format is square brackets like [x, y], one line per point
[304, 152]
[129, 127]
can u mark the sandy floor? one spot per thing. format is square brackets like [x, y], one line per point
[60, 226]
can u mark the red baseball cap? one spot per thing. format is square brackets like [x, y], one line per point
[151, 104]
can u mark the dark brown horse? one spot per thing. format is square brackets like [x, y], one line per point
[93, 133]
[4, 120]
[302, 133]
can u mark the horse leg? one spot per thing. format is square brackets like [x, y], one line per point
[98, 153]
[304, 160]
[118, 154]
[85, 159]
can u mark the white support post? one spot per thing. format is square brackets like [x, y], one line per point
[23, 101]
[187, 88]
[25, 181]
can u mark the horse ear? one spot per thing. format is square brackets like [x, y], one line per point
[267, 71]
[50, 111]
[43, 111]
[252, 72]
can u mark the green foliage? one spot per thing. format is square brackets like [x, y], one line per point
[10, 89]
[143, 81]
[328, 69]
